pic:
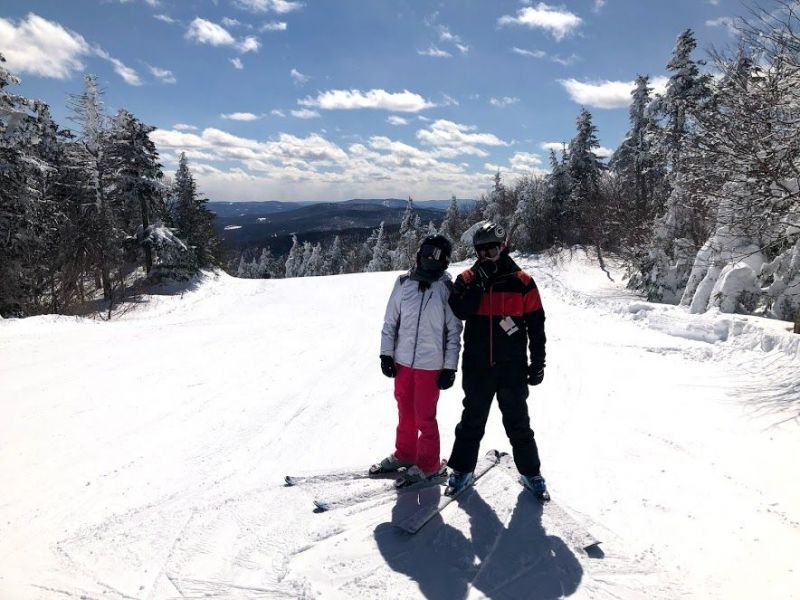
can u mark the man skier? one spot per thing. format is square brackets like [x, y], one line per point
[503, 313]
[420, 344]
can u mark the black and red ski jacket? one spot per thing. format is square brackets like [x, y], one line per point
[510, 293]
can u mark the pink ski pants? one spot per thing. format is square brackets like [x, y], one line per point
[417, 394]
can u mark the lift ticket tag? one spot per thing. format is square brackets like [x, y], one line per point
[508, 325]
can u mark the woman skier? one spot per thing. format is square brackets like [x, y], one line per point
[420, 345]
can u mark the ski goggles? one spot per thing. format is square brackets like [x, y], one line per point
[488, 250]
[431, 252]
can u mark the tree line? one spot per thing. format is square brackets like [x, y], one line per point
[86, 212]
[700, 199]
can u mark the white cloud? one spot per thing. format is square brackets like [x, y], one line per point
[305, 113]
[727, 22]
[165, 18]
[203, 31]
[207, 32]
[277, 6]
[237, 63]
[503, 102]
[455, 138]
[434, 51]
[569, 60]
[598, 5]
[529, 53]
[240, 116]
[559, 22]
[404, 101]
[248, 44]
[296, 168]
[659, 84]
[278, 113]
[446, 36]
[602, 152]
[606, 94]
[184, 127]
[153, 3]
[129, 75]
[165, 75]
[273, 26]
[41, 47]
[448, 101]
[396, 120]
[525, 162]
[555, 146]
[298, 77]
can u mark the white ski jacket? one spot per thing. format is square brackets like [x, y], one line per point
[419, 329]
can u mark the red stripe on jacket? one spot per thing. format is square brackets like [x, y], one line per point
[509, 304]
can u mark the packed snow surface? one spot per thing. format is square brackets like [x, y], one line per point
[144, 457]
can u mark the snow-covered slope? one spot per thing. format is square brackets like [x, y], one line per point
[144, 457]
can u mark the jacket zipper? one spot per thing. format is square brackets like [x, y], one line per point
[491, 329]
[416, 334]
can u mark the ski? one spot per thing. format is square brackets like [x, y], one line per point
[323, 505]
[417, 520]
[575, 534]
[293, 480]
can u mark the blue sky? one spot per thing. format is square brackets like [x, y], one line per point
[333, 99]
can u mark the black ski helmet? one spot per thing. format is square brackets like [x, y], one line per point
[438, 241]
[489, 233]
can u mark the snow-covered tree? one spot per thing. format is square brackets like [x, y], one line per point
[336, 261]
[381, 261]
[408, 238]
[585, 214]
[294, 261]
[315, 264]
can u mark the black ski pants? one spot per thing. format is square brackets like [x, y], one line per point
[509, 383]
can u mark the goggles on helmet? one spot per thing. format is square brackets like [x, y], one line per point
[490, 250]
[431, 252]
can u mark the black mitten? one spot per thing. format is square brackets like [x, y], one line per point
[535, 374]
[387, 366]
[446, 379]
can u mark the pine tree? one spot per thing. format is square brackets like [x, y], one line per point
[407, 241]
[315, 265]
[381, 261]
[133, 160]
[684, 227]
[294, 261]
[585, 215]
[18, 198]
[191, 217]
[104, 239]
[337, 263]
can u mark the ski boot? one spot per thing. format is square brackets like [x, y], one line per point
[390, 464]
[536, 484]
[414, 476]
[457, 482]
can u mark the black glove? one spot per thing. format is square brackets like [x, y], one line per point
[483, 271]
[535, 374]
[387, 366]
[446, 379]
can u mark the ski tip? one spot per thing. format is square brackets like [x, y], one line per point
[289, 480]
[594, 550]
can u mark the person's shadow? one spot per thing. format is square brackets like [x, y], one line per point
[518, 561]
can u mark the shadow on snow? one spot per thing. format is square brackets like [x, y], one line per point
[519, 560]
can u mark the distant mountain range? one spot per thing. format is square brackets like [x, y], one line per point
[272, 223]
[229, 209]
